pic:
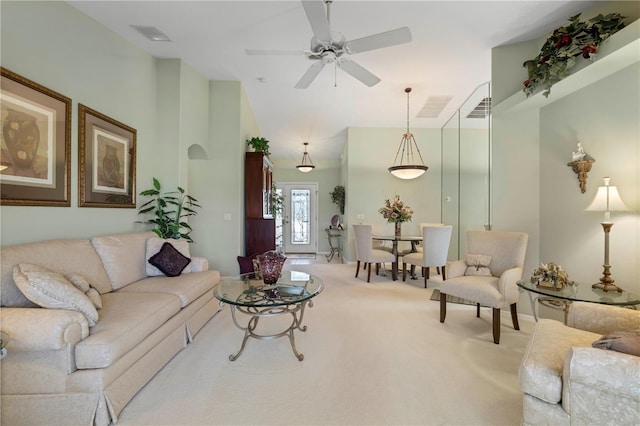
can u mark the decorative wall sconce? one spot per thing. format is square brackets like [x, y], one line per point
[581, 165]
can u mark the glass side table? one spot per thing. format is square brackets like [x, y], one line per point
[561, 299]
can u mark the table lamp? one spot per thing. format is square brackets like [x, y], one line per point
[607, 200]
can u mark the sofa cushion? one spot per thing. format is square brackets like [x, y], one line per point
[188, 287]
[169, 260]
[126, 319]
[543, 361]
[123, 256]
[63, 256]
[83, 285]
[153, 247]
[52, 290]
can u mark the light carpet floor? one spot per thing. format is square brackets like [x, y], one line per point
[374, 354]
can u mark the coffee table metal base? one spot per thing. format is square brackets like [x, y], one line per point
[296, 310]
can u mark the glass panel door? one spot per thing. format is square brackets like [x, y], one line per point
[301, 229]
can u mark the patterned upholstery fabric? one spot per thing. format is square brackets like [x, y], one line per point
[566, 381]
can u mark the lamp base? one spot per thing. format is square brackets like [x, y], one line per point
[606, 282]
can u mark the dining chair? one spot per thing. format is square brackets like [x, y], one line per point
[435, 248]
[419, 246]
[367, 254]
[488, 274]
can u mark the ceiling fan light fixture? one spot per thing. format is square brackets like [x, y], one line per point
[405, 165]
[305, 165]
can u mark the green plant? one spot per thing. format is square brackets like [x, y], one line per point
[169, 210]
[259, 144]
[277, 202]
[560, 50]
[337, 197]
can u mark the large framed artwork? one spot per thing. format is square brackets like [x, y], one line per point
[35, 155]
[106, 161]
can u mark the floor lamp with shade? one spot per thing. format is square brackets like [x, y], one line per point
[607, 200]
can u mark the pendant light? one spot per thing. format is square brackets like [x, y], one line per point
[305, 165]
[408, 167]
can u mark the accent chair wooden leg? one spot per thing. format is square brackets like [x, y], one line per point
[444, 274]
[514, 316]
[425, 273]
[404, 271]
[496, 326]
[369, 273]
[478, 310]
[357, 269]
[443, 306]
[377, 269]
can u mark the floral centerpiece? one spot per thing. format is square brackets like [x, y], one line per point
[396, 212]
[551, 274]
[560, 50]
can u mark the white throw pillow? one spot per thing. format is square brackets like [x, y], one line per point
[84, 286]
[52, 290]
[153, 247]
[478, 265]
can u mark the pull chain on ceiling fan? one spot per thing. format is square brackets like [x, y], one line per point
[330, 46]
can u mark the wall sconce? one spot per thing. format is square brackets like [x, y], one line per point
[305, 165]
[607, 200]
[581, 166]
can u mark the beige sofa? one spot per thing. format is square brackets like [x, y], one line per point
[566, 381]
[59, 370]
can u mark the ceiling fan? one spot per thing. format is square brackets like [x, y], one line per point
[329, 47]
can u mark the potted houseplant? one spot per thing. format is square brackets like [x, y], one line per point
[337, 197]
[259, 144]
[169, 210]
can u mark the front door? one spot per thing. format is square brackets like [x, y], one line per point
[300, 230]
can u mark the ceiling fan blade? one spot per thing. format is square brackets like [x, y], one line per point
[317, 19]
[358, 72]
[275, 52]
[378, 41]
[310, 75]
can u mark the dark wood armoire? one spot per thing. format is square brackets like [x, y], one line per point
[259, 223]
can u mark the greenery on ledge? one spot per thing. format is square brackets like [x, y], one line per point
[564, 46]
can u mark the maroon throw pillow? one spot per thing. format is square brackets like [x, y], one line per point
[169, 260]
[246, 264]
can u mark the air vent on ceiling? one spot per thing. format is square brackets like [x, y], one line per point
[481, 110]
[152, 33]
[434, 106]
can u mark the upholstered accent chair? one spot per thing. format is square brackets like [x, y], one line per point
[435, 247]
[566, 381]
[488, 274]
[367, 254]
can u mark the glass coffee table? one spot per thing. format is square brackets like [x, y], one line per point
[561, 299]
[289, 296]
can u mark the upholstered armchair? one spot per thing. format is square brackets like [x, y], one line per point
[566, 381]
[488, 274]
[367, 254]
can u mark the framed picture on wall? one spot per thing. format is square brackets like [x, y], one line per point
[35, 155]
[106, 161]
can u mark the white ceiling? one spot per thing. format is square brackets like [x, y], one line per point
[450, 54]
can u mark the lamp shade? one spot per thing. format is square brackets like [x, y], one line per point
[408, 172]
[607, 199]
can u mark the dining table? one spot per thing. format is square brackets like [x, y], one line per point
[395, 239]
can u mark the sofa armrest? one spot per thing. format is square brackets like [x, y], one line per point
[602, 319]
[507, 285]
[41, 329]
[600, 385]
[456, 268]
[199, 264]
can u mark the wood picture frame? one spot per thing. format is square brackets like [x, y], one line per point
[35, 148]
[106, 161]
